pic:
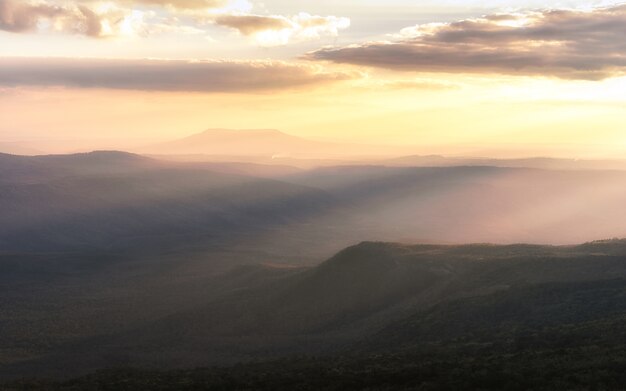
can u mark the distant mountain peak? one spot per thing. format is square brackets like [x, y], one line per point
[239, 142]
[264, 143]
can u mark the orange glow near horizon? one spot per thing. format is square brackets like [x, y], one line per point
[148, 72]
[484, 117]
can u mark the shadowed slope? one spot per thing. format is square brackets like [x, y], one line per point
[360, 291]
[568, 342]
[110, 200]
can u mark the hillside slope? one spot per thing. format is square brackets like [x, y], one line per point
[373, 291]
[114, 200]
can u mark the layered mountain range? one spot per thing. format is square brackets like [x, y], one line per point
[116, 259]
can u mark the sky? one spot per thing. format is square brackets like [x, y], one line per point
[500, 78]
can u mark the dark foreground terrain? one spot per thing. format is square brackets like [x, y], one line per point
[385, 316]
[114, 260]
[545, 337]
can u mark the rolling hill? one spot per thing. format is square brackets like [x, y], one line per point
[111, 257]
[569, 342]
[114, 200]
[544, 163]
[364, 297]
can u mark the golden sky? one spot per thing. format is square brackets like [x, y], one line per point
[452, 77]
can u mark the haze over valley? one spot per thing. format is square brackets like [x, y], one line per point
[220, 259]
[348, 195]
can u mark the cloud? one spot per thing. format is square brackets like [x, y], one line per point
[252, 24]
[23, 16]
[279, 30]
[570, 44]
[20, 17]
[27, 16]
[180, 4]
[164, 75]
[98, 19]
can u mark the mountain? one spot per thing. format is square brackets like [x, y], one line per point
[18, 168]
[256, 142]
[548, 336]
[532, 162]
[364, 284]
[114, 200]
[412, 296]
[112, 258]
[268, 171]
[243, 145]
[525, 314]
[18, 149]
[58, 202]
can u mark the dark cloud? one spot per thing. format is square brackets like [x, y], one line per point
[562, 43]
[163, 75]
[20, 17]
[252, 24]
[282, 29]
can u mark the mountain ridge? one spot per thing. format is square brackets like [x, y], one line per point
[255, 142]
[362, 291]
[268, 144]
